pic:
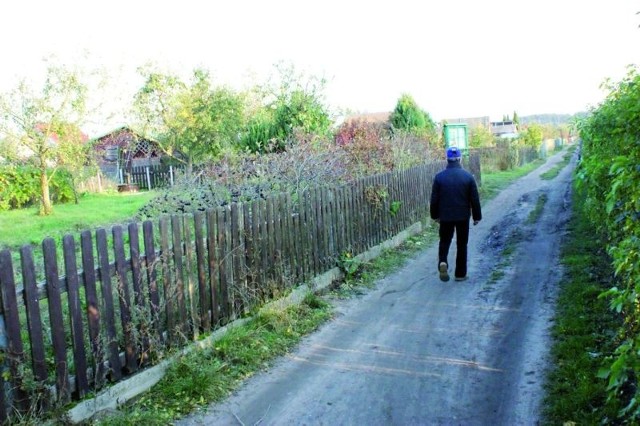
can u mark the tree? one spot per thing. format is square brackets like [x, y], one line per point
[409, 117]
[480, 137]
[193, 122]
[289, 104]
[74, 155]
[532, 135]
[516, 119]
[37, 121]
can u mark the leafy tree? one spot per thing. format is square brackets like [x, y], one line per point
[293, 103]
[480, 136]
[192, 122]
[75, 156]
[532, 136]
[9, 151]
[407, 116]
[516, 119]
[36, 121]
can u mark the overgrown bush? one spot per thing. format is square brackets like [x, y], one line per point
[305, 163]
[366, 145]
[609, 176]
[20, 187]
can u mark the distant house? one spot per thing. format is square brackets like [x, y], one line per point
[123, 148]
[504, 129]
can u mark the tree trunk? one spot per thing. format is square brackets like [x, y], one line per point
[45, 208]
[189, 168]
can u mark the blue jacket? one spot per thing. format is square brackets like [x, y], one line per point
[454, 195]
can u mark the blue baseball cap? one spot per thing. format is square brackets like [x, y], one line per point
[453, 153]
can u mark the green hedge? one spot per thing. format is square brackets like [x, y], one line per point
[609, 177]
[20, 187]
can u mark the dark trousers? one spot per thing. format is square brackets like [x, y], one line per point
[461, 229]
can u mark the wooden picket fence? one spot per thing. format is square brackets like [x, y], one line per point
[129, 295]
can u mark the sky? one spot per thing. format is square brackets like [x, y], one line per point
[456, 58]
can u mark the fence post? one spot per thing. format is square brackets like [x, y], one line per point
[171, 175]
[121, 177]
[148, 178]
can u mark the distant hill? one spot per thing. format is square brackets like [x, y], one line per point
[553, 119]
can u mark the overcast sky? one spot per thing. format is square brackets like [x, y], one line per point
[457, 58]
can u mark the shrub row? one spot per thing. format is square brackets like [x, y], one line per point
[20, 187]
[361, 150]
[609, 178]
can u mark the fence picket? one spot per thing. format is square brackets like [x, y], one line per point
[75, 314]
[287, 238]
[223, 255]
[152, 276]
[205, 319]
[167, 284]
[124, 297]
[93, 308]
[190, 287]
[264, 248]
[250, 227]
[56, 319]
[238, 290]
[14, 349]
[107, 296]
[214, 266]
[324, 226]
[138, 302]
[178, 288]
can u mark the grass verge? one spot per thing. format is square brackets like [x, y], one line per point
[583, 333]
[494, 182]
[210, 374]
[25, 226]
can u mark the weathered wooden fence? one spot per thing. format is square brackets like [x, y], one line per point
[129, 295]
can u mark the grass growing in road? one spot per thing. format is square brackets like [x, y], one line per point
[535, 214]
[584, 332]
[555, 171]
[24, 226]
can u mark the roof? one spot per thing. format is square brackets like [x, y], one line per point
[122, 137]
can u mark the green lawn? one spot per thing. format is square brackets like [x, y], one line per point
[24, 226]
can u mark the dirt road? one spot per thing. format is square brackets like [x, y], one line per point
[419, 351]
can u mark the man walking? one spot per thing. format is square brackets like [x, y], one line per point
[454, 200]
